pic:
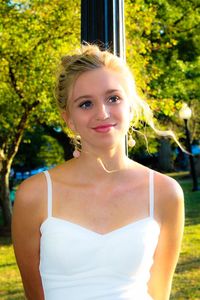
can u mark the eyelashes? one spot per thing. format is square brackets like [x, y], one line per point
[114, 99]
[86, 104]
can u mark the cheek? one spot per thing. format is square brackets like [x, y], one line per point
[126, 113]
[125, 118]
[71, 123]
[79, 121]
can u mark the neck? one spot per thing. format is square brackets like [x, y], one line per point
[103, 163]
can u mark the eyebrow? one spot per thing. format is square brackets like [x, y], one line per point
[90, 96]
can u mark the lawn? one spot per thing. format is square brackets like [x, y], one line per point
[10, 280]
[186, 283]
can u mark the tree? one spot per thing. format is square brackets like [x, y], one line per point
[162, 40]
[33, 35]
[175, 53]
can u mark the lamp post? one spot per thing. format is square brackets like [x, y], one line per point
[185, 114]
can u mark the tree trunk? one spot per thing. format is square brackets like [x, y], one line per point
[6, 159]
[5, 193]
[165, 156]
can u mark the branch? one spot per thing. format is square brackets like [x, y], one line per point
[185, 14]
[188, 29]
[49, 38]
[13, 82]
[12, 150]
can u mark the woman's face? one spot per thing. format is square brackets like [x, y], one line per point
[99, 108]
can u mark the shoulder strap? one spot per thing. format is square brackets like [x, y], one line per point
[151, 193]
[49, 194]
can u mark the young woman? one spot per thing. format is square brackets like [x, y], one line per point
[99, 226]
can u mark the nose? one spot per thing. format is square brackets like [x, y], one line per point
[102, 112]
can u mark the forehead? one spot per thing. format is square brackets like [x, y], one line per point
[98, 81]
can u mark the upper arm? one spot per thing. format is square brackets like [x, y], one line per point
[26, 220]
[167, 252]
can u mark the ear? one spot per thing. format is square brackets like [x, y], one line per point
[68, 120]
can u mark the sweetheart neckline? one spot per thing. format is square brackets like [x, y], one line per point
[98, 233]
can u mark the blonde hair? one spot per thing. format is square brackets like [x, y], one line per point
[90, 57]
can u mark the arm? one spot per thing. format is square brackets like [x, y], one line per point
[170, 209]
[27, 217]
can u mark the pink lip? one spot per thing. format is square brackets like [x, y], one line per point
[104, 128]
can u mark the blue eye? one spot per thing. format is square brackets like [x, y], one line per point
[86, 104]
[114, 99]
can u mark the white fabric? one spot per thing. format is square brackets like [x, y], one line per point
[79, 264]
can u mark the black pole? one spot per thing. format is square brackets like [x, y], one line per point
[191, 158]
[102, 23]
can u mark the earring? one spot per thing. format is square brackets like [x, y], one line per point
[131, 141]
[77, 144]
[76, 153]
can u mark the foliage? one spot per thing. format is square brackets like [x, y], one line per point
[162, 49]
[33, 35]
[37, 150]
[139, 22]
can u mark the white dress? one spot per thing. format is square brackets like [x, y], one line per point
[79, 264]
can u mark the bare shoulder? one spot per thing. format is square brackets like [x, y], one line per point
[31, 188]
[169, 196]
[30, 196]
[168, 187]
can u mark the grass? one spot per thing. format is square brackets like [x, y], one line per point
[186, 283]
[10, 280]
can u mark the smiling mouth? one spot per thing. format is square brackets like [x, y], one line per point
[104, 128]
